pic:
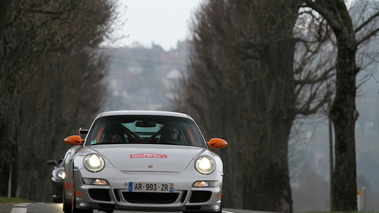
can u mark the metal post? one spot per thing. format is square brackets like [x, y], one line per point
[10, 181]
[331, 156]
[363, 198]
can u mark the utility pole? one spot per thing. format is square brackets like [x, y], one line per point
[331, 156]
[10, 181]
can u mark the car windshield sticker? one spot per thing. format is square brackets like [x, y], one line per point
[148, 155]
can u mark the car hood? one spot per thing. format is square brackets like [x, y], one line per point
[146, 157]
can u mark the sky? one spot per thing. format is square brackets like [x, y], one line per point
[162, 22]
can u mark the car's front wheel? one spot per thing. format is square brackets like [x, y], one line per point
[66, 203]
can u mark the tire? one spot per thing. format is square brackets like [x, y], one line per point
[66, 205]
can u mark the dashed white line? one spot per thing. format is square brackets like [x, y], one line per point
[21, 204]
[18, 208]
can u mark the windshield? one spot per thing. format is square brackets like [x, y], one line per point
[145, 129]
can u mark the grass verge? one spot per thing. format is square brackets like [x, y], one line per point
[4, 201]
[13, 200]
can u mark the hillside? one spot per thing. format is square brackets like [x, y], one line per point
[143, 78]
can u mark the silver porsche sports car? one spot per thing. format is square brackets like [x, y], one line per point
[142, 160]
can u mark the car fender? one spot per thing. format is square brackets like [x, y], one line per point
[68, 169]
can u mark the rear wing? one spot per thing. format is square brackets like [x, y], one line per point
[83, 132]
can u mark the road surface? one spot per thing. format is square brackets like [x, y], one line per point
[57, 208]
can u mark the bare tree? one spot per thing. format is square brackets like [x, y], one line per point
[246, 84]
[50, 83]
[343, 110]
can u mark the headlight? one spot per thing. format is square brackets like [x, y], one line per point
[205, 165]
[94, 162]
[62, 174]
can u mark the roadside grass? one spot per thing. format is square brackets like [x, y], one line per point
[5, 201]
[13, 200]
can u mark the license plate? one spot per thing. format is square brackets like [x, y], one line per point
[151, 187]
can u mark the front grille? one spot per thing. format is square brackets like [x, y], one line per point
[153, 198]
[200, 196]
[99, 194]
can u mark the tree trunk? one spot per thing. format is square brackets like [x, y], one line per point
[344, 114]
[343, 111]
[271, 190]
[269, 181]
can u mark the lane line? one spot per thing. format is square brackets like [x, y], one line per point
[19, 210]
[21, 204]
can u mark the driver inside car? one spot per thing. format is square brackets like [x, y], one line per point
[117, 138]
[170, 134]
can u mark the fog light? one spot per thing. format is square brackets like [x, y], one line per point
[207, 183]
[95, 181]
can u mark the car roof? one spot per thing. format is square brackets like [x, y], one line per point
[143, 112]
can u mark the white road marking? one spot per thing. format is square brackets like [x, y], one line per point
[19, 210]
[21, 204]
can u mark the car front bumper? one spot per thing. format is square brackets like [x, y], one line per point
[116, 195]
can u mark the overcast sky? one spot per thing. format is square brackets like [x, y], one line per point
[162, 22]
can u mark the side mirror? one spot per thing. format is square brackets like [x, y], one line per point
[52, 162]
[73, 140]
[216, 143]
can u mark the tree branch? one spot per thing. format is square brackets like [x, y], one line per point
[368, 21]
[368, 36]
[322, 9]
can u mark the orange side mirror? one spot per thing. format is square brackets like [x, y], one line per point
[73, 140]
[216, 143]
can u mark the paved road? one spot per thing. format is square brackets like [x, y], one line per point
[57, 208]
